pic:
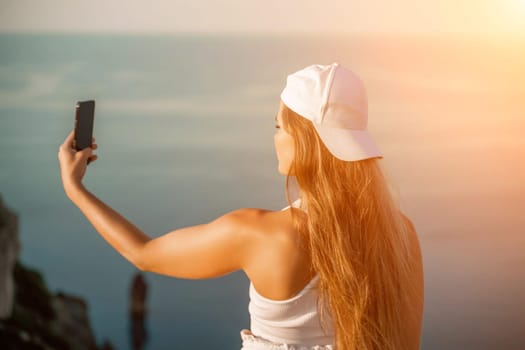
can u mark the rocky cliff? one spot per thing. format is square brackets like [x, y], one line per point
[32, 317]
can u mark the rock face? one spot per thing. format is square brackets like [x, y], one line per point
[72, 321]
[31, 317]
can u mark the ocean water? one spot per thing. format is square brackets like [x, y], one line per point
[185, 130]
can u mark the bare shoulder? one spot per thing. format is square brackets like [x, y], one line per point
[268, 234]
[259, 223]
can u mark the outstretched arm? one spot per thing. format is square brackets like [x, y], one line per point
[203, 251]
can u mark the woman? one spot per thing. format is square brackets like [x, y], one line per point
[339, 268]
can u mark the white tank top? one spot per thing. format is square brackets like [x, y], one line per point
[290, 321]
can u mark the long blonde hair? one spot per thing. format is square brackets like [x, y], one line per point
[357, 239]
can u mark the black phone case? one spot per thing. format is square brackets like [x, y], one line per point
[84, 118]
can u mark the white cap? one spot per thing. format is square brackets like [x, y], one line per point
[334, 99]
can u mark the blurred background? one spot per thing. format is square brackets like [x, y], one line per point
[186, 94]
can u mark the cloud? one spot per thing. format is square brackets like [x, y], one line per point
[30, 87]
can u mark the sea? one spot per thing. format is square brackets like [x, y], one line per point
[184, 125]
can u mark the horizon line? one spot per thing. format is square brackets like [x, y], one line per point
[266, 34]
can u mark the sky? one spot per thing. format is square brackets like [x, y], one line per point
[267, 17]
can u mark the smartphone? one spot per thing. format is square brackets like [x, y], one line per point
[84, 119]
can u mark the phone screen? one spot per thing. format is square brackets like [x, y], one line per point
[84, 117]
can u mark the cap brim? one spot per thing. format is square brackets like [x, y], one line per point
[348, 144]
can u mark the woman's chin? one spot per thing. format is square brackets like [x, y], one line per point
[284, 173]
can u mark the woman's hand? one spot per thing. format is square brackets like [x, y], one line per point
[73, 163]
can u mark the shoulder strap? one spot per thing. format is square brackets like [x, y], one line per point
[295, 203]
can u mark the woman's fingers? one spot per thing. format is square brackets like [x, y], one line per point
[93, 157]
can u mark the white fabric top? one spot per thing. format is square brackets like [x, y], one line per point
[290, 321]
